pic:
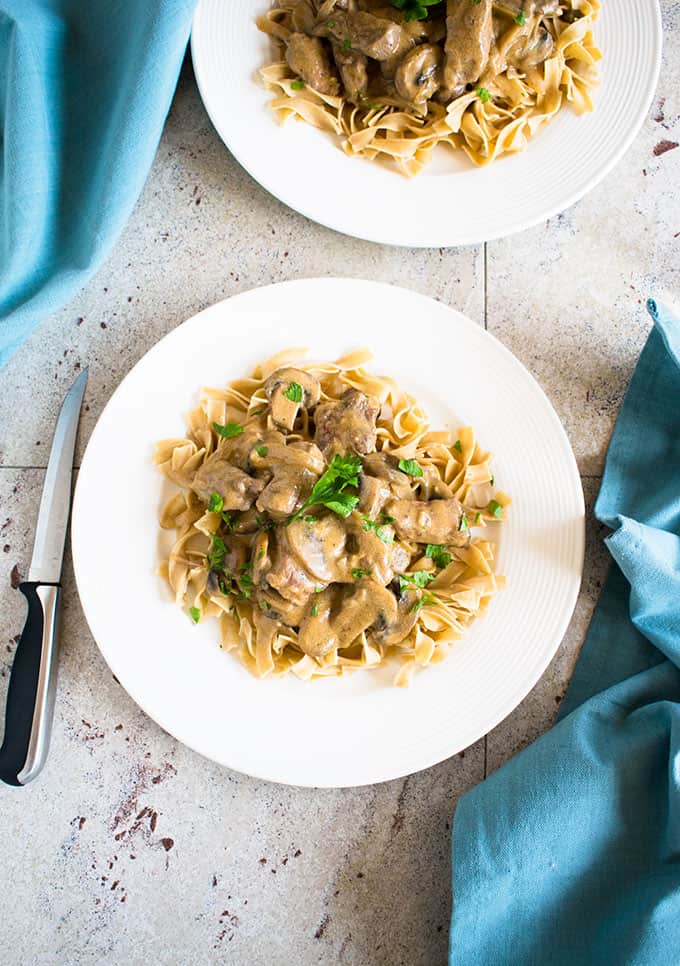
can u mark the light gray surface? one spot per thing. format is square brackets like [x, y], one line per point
[130, 848]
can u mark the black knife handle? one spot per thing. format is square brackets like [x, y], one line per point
[32, 684]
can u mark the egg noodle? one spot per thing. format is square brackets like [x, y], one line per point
[504, 111]
[463, 584]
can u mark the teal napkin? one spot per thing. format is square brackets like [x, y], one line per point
[570, 854]
[85, 86]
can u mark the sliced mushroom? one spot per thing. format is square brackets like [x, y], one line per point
[216, 475]
[308, 57]
[373, 495]
[418, 76]
[432, 486]
[293, 470]
[395, 631]
[384, 467]
[432, 521]
[532, 51]
[320, 546]
[281, 391]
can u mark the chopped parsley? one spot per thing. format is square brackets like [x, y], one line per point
[318, 588]
[315, 610]
[329, 489]
[297, 85]
[410, 467]
[347, 44]
[478, 516]
[438, 555]
[425, 599]
[195, 614]
[330, 24]
[260, 555]
[496, 509]
[230, 518]
[310, 518]
[262, 450]
[521, 19]
[421, 578]
[463, 526]
[294, 391]
[457, 445]
[416, 9]
[217, 553]
[223, 588]
[483, 94]
[379, 531]
[226, 432]
[216, 503]
[358, 573]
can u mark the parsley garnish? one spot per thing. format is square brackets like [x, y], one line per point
[230, 518]
[483, 94]
[330, 24]
[315, 610]
[425, 599]
[297, 85]
[294, 391]
[318, 588]
[260, 555]
[358, 573]
[329, 489]
[226, 432]
[262, 450]
[421, 578]
[195, 614]
[496, 509]
[410, 467]
[378, 530]
[347, 44]
[309, 518]
[216, 503]
[478, 517]
[463, 526]
[223, 588]
[217, 553]
[457, 445]
[521, 19]
[416, 9]
[436, 552]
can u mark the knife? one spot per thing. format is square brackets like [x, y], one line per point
[33, 681]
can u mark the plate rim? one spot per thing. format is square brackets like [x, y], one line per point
[473, 239]
[493, 720]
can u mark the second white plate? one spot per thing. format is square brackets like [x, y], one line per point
[451, 202]
[359, 729]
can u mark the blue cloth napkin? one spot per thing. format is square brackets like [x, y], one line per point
[85, 86]
[570, 853]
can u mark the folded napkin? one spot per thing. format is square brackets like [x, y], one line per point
[84, 91]
[570, 853]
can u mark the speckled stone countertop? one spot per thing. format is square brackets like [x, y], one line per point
[132, 849]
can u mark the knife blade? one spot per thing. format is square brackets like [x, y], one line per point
[32, 685]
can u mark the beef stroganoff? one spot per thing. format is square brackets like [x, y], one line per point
[394, 79]
[325, 524]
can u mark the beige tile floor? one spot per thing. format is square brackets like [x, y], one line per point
[130, 848]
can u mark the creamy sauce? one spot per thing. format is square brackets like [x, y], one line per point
[331, 575]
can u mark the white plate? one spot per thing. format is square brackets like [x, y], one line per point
[451, 202]
[359, 729]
